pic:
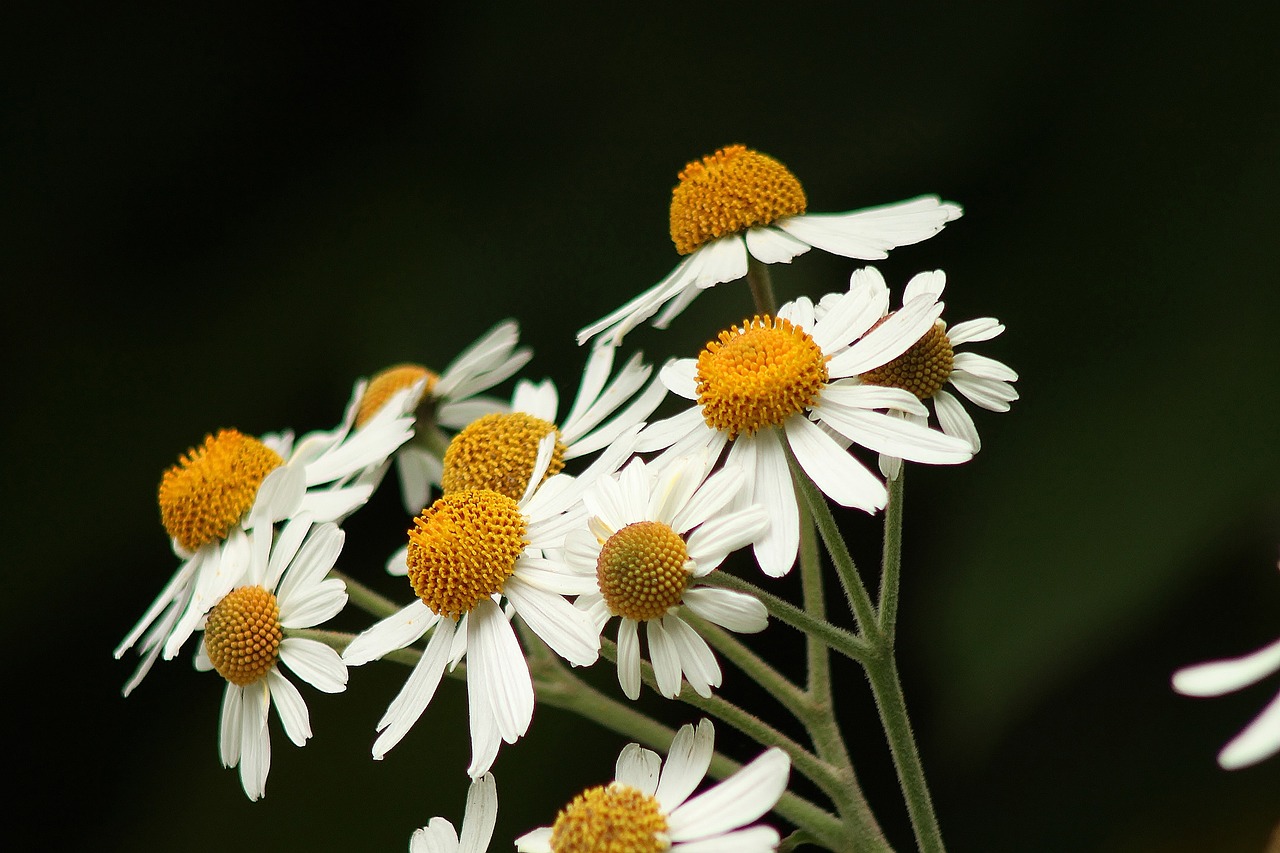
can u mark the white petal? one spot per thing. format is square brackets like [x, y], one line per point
[930, 284]
[480, 816]
[983, 367]
[665, 657]
[834, 470]
[697, 661]
[898, 333]
[989, 394]
[858, 396]
[315, 663]
[972, 331]
[687, 763]
[536, 841]
[567, 630]
[754, 839]
[736, 611]
[230, 724]
[622, 320]
[497, 671]
[870, 232]
[1259, 740]
[721, 260]
[629, 658]
[713, 541]
[417, 692]
[290, 706]
[955, 421]
[394, 632]
[769, 479]
[255, 741]
[638, 768]
[735, 802]
[772, 246]
[438, 836]
[892, 435]
[1228, 675]
[680, 375]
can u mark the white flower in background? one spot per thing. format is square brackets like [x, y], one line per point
[467, 552]
[439, 836]
[233, 484]
[246, 637]
[933, 362]
[649, 536]
[791, 381]
[451, 399]
[497, 451]
[738, 204]
[648, 807]
[1261, 738]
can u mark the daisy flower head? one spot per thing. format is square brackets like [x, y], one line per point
[789, 382]
[450, 399]
[648, 537]
[648, 808]
[739, 205]
[934, 362]
[1260, 739]
[475, 561]
[219, 493]
[247, 637]
[481, 813]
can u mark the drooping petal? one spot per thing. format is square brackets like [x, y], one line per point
[290, 706]
[773, 246]
[869, 233]
[665, 657]
[955, 420]
[497, 671]
[629, 658]
[480, 816]
[417, 691]
[834, 470]
[567, 630]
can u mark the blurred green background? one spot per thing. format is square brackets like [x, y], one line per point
[222, 216]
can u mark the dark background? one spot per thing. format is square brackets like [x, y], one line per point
[222, 217]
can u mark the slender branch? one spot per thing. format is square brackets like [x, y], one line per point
[761, 284]
[891, 561]
[374, 603]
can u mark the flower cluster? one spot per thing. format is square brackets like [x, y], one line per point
[543, 540]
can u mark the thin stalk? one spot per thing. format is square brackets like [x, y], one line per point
[891, 560]
[374, 603]
[761, 284]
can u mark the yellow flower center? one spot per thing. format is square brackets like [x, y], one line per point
[758, 375]
[498, 452]
[386, 383]
[643, 570]
[613, 818]
[213, 486]
[729, 192]
[463, 548]
[242, 634]
[923, 369]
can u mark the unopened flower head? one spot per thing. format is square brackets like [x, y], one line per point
[936, 361]
[473, 555]
[649, 807]
[219, 492]
[738, 205]
[790, 381]
[448, 400]
[1260, 739]
[246, 638]
[439, 836]
[649, 537]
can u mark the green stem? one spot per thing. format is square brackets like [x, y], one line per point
[761, 285]
[778, 685]
[784, 611]
[891, 561]
[374, 603]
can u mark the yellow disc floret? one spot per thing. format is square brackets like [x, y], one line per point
[923, 369]
[758, 375]
[613, 818]
[643, 570]
[498, 452]
[242, 634]
[213, 486]
[729, 192]
[463, 548]
[386, 383]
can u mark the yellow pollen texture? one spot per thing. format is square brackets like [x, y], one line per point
[613, 818]
[923, 369]
[727, 193]
[213, 486]
[463, 548]
[498, 452]
[641, 570]
[242, 634]
[758, 375]
[384, 385]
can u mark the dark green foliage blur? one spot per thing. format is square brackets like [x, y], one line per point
[219, 217]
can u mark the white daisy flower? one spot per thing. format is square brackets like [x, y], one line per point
[218, 493]
[1261, 738]
[739, 204]
[451, 399]
[497, 450]
[793, 379]
[648, 806]
[933, 362]
[649, 536]
[439, 836]
[467, 553]
[246, 636]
